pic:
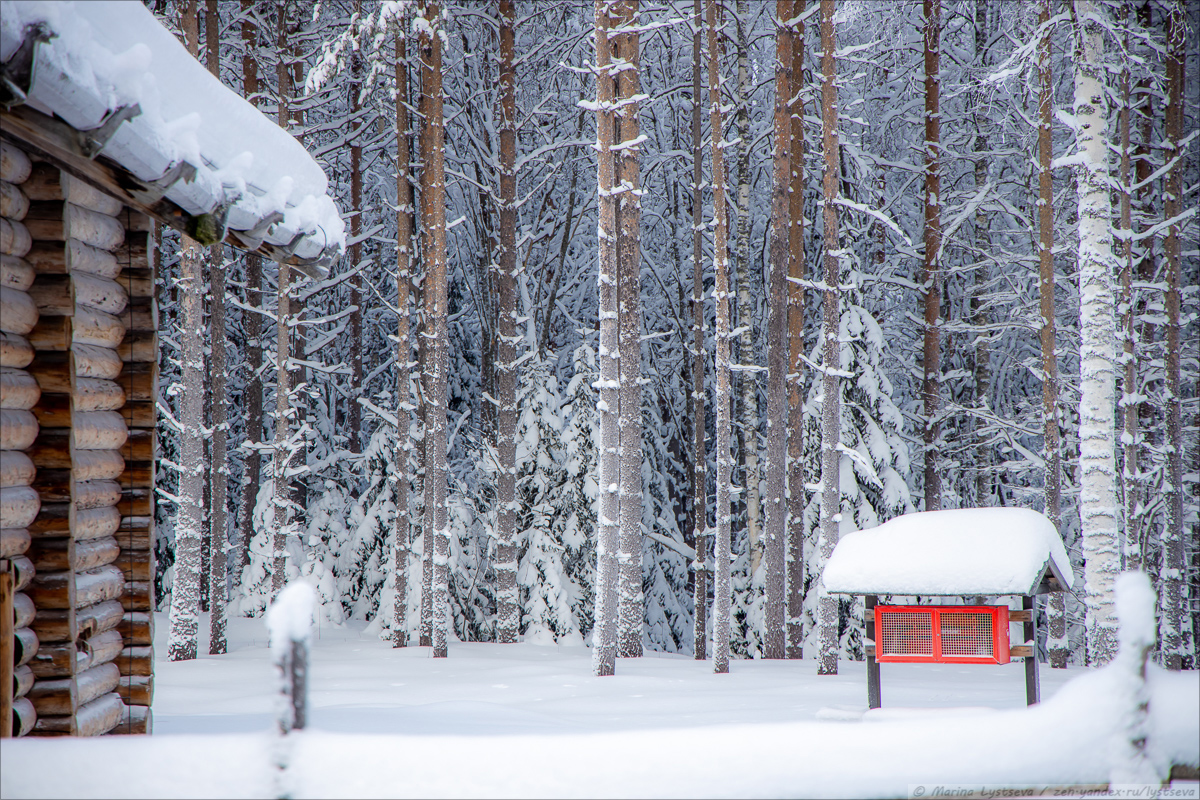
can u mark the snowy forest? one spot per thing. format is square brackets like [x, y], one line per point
[646, 303]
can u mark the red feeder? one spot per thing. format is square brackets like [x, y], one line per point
[942, 634]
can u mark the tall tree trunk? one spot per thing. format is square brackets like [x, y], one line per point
[777, 345]
[1172, 587]
[508, 614]
[980, 316]
[1052, 449]
[356, 185]
[218, 467]
[931, 279]
[699, 479]
[283, 314]
[604, 633]
[722, 589]
[1129, 405]
[183, 641]
[422, 302]
[745, 300]
[252, 323]
[434, 186]
[1097, 490]
[797, 272]
[404, 234]
[831, 390]
[630, 612]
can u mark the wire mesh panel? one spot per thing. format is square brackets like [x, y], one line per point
[966, 634]
[906, 633]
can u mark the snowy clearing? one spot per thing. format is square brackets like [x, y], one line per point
[535, 722]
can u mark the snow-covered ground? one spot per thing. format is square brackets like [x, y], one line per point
[527, 720]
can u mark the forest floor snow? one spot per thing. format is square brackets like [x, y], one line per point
[526, 720]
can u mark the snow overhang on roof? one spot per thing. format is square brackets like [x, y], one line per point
[969, 551]
[177, 143]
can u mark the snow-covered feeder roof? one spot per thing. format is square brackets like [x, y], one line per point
[963, 551]
[185, 147]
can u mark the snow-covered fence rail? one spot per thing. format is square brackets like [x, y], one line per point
[289, 621]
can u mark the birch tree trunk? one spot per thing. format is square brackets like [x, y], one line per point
[630, 612]
[252, 323]
[436, 300]
[931, 279]
[183, 641]
[1171, 584]
[745, 302]
[722, 590]
[699, 478]
[508, 613]
[1052, 449]
[604, 631]
[777, 345]
[404, 226]
[831, 495]
[797, 272]
[1097, 468]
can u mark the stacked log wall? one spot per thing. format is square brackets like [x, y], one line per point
[20, 503]
[76, 236]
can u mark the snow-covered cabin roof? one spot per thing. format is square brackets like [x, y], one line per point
[171, 125]
[956, 552]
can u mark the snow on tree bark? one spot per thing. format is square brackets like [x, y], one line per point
[183, 639]
[831, 495]
[721, 395]
[777, 345]
[1173, 598]
[356, 186]
[404, 235]
[630, 603]
[699, 479]
[1051, 448]
[797, 272]
[508, 612]
[1097, 467]
[434, 196]
[604, 631]
[931, 279]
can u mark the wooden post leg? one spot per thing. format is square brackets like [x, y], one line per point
[7, 650]
[1033, 686]
[874, 697]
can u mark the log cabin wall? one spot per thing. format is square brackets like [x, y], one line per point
[19, 393]
[93, 346]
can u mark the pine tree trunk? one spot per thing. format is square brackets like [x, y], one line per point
[1097, 490]
[434, 186]
[827, 604]
[424, 356]
[355, 251]
[980, 316]
[722, 589]
[699, 479]
[1129, 405]
[777, 356]
[797, 272]
[630, 613]
[183, 641]
[604, 631]
[745, 301]
[1052, 450]
[508, 612]
[1171, 585]
[404, 234]
[252, 399]
[931, 279]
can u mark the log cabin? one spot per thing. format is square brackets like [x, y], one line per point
[85, 176]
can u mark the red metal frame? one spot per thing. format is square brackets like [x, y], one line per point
[926, 624]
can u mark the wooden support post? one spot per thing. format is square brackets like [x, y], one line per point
[6, 649]
[1033, 686]
[874, 695]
